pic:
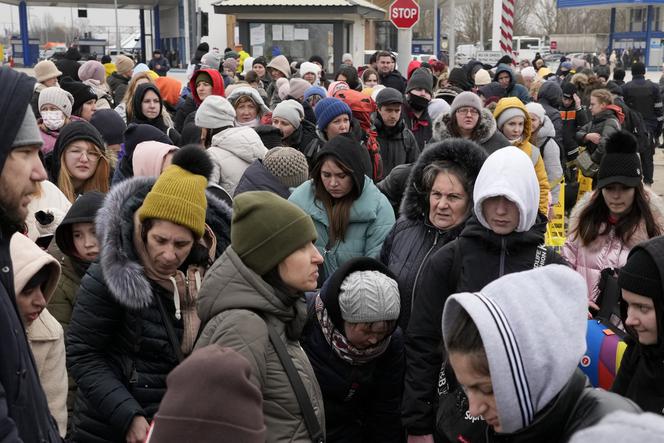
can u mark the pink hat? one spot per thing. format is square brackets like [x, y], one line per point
[336, 86]
[148, 158]
[92, 69]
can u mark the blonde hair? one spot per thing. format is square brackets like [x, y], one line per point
[603, 96]
[128, 98]
[98, 182]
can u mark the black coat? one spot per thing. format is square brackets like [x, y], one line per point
[187, 107]
[118, 85]
[644, 97]
[605, 123]
[257, 178]
[572, 120]
[577, 406]
[397, 144]
[305, 139]
[421, 126]
[121, 368]
[550, 97]
[69, 64]
[362, 402]
[413, 238]
[484, 257]
[24, 414]
[394, 80]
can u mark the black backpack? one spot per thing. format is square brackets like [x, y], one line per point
[635, 125]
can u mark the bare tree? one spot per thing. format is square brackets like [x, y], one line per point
[545, 14]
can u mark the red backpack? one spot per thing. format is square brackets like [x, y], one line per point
[362, 106]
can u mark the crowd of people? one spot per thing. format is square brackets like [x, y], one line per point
[273, 253]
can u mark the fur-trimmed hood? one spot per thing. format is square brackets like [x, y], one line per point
[486, 127]
[467, 154]
[122, 270]
[656, 206]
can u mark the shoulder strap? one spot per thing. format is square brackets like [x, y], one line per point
[310, 419]
[170, 331]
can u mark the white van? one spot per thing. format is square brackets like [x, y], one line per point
[526, 47]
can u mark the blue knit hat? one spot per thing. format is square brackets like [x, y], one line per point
[328, 109]
[315, 90]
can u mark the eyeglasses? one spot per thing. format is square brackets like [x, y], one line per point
[92, 156]
[471, 111]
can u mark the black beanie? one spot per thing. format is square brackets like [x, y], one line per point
[271, 136]
[352, 154]
[640, 274]
[84, 210]
[569, 89]
[260, 61]
[81, 93]
[621, 163]
[135, 134]
[110, 125]
[459, 79]
[421, 79]
[106, 59]
[77, 130]
[638, 68]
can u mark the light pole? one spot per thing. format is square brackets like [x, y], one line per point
[117, 30]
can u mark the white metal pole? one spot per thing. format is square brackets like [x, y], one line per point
[482, 24]
[497, 19]
[117, 30]
[451, 38]
[436, 29]
[404, 46]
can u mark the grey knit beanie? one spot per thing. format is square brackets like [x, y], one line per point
[509, 114]
[369, 296]
[287, 164]
[215, 112]
[466, 99]
[57, 97]
[290, 110]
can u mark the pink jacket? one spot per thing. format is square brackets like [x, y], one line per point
[607, 251]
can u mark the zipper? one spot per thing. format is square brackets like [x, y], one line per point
[419, 270]
[503, 252]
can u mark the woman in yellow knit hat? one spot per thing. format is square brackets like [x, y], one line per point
[139, 300]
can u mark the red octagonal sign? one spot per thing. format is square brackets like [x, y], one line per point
[404, 13]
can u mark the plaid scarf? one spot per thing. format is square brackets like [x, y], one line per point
[340, 344]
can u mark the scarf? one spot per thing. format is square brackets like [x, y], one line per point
[340, 344]
[184, 288]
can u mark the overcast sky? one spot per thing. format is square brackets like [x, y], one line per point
[96, 17]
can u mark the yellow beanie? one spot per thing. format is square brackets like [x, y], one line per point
[178, 196]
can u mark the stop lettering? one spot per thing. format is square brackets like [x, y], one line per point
[404, 14]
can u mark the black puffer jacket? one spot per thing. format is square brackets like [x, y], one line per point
[550, 96]
[577, 406]
[257, 178]
[394, 80]
[362, 402]
[485, 134]
[397, 144]
[641, 374]
[413, 238]
[305, 139]
[121, 368]
[69, 64]
[484, 256]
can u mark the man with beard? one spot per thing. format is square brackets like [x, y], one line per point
[418, 95]
[24, 414]
[387, 73]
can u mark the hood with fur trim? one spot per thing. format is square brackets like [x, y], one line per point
[468, 155]
[123, 272]
[485, 129]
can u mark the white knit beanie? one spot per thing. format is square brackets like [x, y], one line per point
[537, 109]
[528, 73]
[289, 110]
[215, 112]
[509, 114]
[309, 68]
[482, 77]
[57, 97]
[369, 296]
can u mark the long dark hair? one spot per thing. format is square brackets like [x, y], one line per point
[338, 209]
[593, 219]
[465, 338]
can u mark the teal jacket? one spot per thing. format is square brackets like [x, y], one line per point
[371, 218]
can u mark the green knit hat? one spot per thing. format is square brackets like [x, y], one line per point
[178, 196]
[266, 229]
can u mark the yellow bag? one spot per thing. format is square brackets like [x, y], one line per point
[555, 229]
[585, 185]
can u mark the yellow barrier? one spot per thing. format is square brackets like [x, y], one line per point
[585, 185]
[555, 229]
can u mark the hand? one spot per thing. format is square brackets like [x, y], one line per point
[593, 137]
[157, 67]
[420, 438]
[138, 430]
[592, 307]
[577, 100]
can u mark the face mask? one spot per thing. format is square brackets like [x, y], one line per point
[53, 120]
[417, 103]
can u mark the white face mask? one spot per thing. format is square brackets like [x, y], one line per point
[53, 120]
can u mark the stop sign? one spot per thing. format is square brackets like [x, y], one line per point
[404, 13]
